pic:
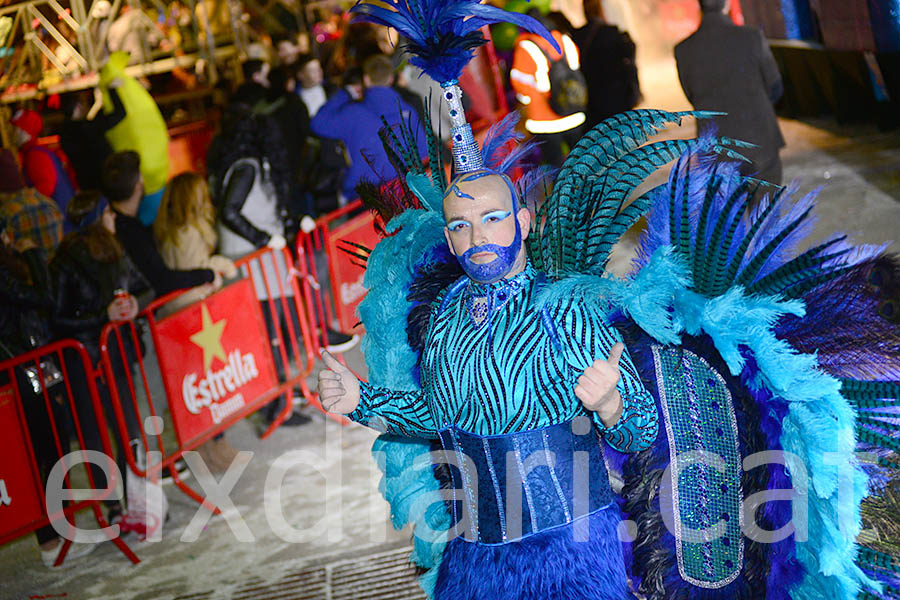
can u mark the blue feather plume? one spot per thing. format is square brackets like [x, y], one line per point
[495, 146]
[501, 152]
[442, 35]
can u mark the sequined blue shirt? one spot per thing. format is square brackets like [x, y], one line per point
[491, 366]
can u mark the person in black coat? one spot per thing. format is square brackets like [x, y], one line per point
[250, 184]
[292, 118]
[26, 304]
[730, 68]
[608, 66]
[251, 181]
[89, 269]
[123, 187]
[25, 296]
[84, 140]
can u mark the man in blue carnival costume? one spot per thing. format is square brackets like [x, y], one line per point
[507, 385]
[762, 368]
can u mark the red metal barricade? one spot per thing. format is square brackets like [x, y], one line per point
[34, 406]
[212, 357]
[331, 294]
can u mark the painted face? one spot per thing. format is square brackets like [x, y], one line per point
[484, 230]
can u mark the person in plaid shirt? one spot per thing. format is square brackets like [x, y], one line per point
[27, 213]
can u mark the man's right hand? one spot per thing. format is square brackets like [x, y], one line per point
[338, 387]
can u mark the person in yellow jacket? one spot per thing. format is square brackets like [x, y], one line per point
[530, 77]
[143, 130]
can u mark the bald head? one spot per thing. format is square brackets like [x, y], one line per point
[483, 187]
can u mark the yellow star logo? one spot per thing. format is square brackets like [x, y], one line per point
[210, 339]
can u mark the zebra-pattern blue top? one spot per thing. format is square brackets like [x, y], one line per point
[508, 373]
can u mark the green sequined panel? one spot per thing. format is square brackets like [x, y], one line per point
[703, 449]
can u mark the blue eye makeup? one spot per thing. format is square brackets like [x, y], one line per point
[496, 216]
[457, 225]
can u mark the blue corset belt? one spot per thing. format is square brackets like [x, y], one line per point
[508, 487]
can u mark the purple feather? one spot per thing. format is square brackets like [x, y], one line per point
[494, 148]
[845, 323]
[496, 152]
[890, 581]
[856, 255]
[774, 222]
[527, 184]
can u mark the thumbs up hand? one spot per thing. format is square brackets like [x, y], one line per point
[596, 387]
[338, 386]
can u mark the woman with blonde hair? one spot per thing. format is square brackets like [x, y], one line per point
[186, 236]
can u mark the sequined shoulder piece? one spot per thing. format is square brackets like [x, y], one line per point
[705, 467]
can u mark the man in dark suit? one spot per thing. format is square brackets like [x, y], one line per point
[608, 65]
[728, 68]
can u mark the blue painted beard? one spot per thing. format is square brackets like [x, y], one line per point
[497, 268]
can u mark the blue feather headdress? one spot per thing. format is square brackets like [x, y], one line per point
[442, 36]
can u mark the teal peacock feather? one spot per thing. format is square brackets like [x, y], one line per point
[699, 244]
[797, 270]
[585, 215]
[559, 215]
[710, 260]
[401, 149]
[877, 405]
[727, 243]
[601, 243]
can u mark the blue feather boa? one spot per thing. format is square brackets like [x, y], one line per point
[389, 274]
[408, 483]
[819, 425]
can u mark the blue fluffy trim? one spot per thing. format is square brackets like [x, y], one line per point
[389, 273]
[408, 484]
[645, 298]
[785, 571]
[548, 566]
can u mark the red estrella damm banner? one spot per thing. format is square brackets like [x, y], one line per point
[215, 359]
[346, 277]
[21, 502]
